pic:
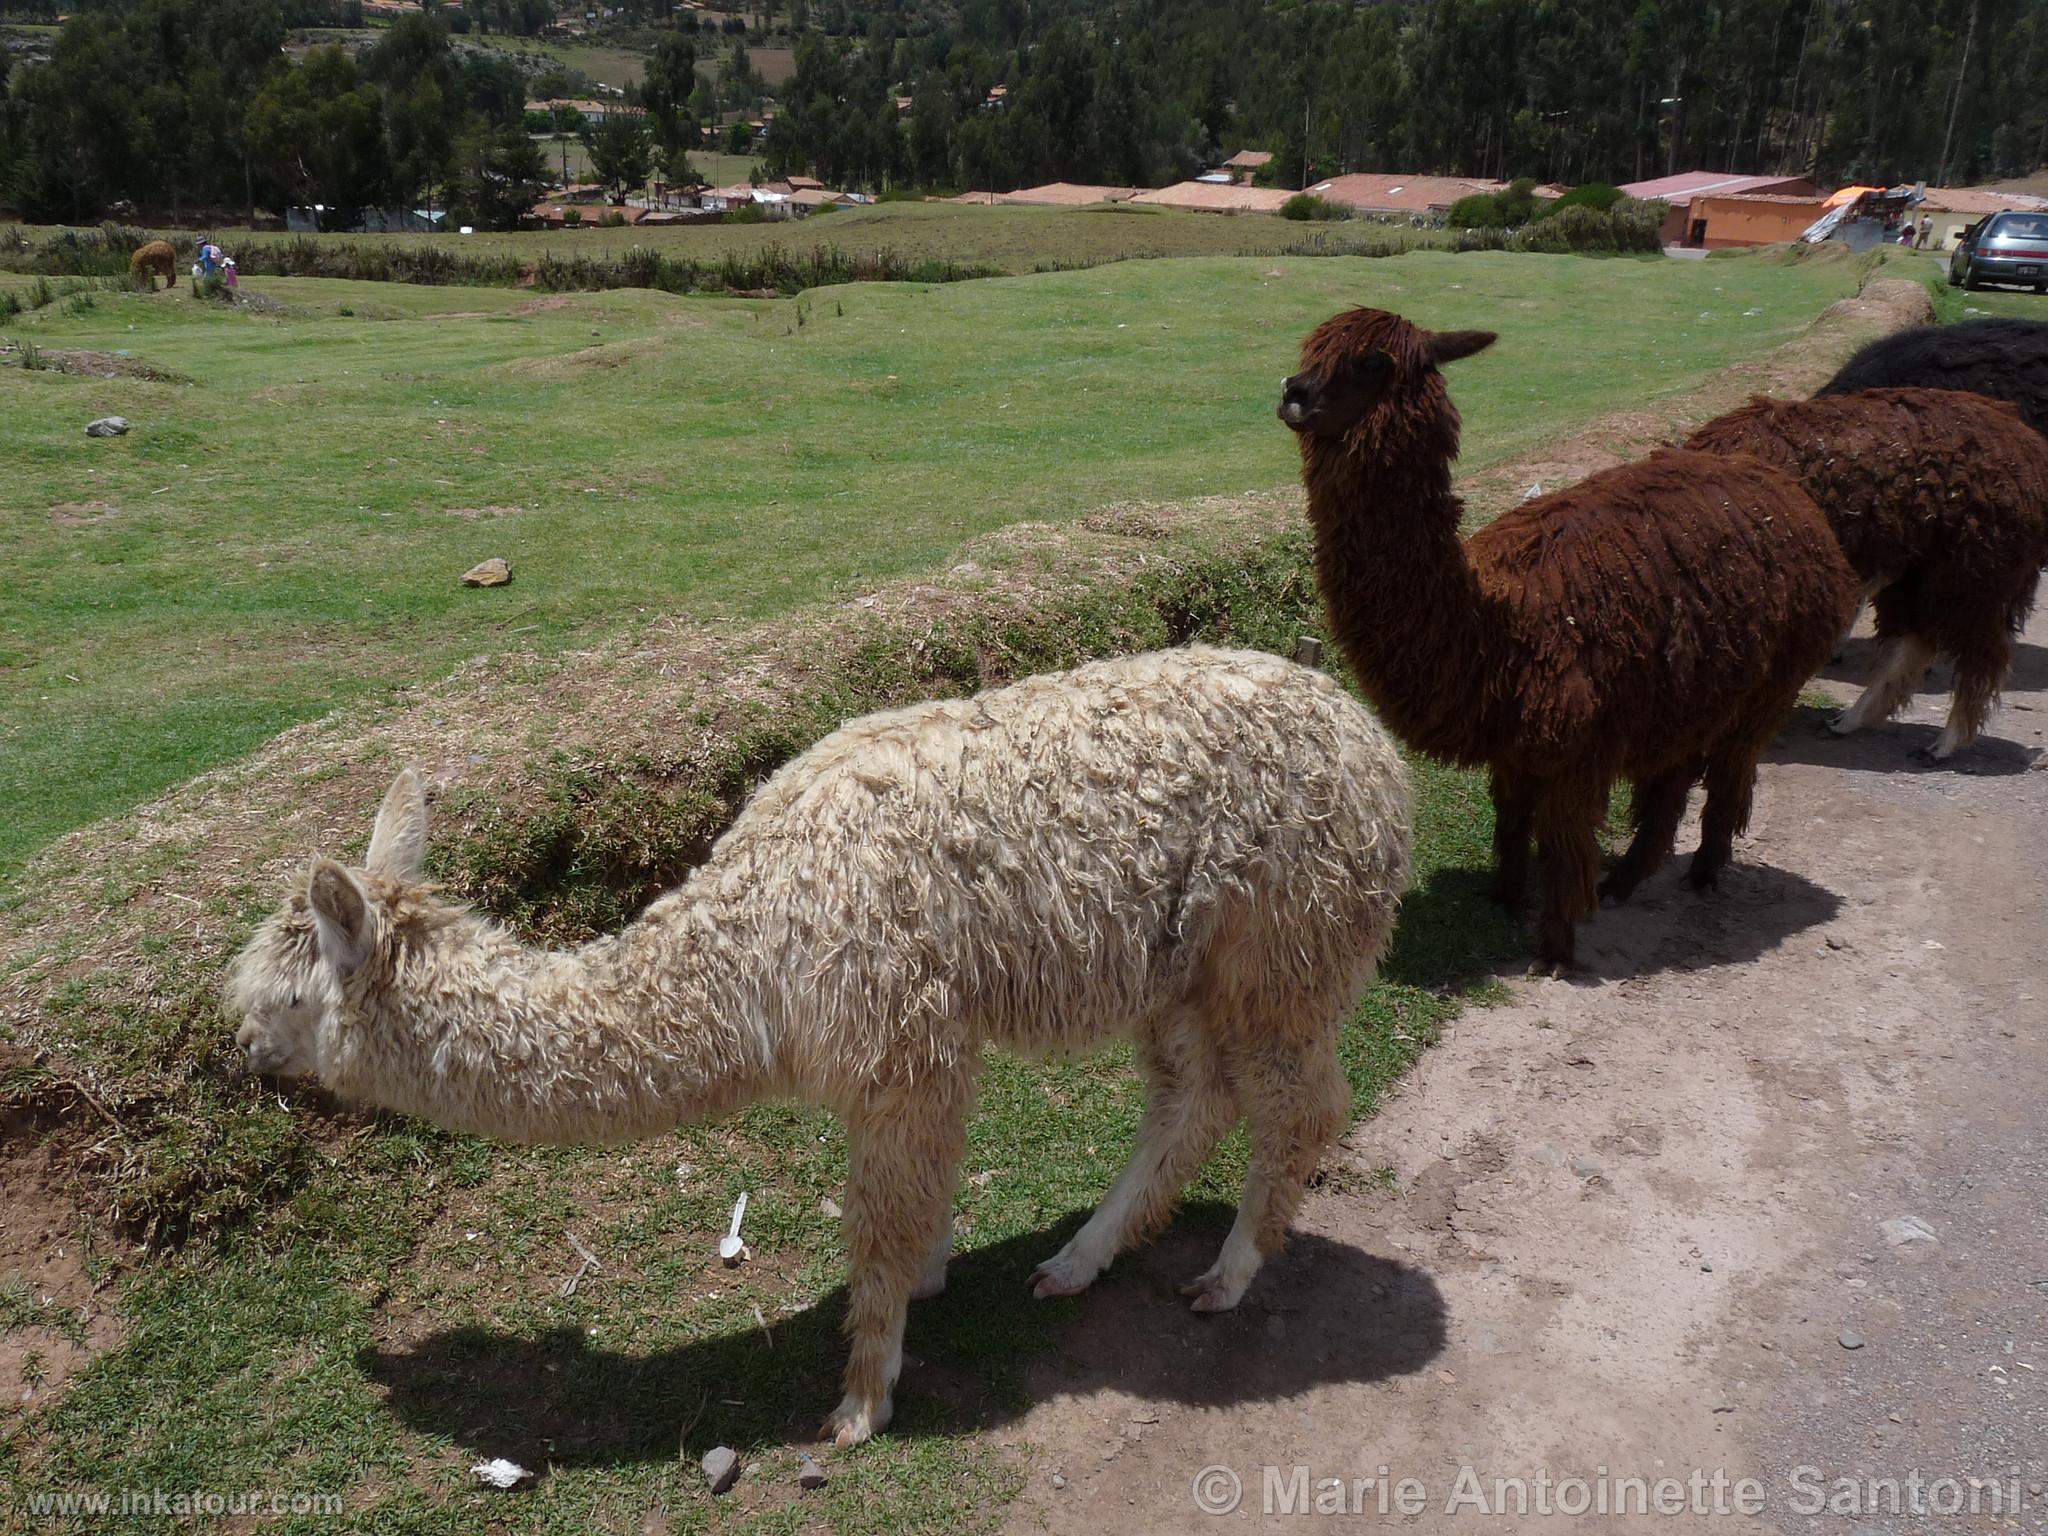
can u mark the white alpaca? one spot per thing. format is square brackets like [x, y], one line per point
[1200, 848]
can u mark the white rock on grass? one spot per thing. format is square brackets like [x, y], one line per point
[500, 1473]
[721, 1467]
[107, 426]
[491, 573]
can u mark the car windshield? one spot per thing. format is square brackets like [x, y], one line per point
[2020, 226]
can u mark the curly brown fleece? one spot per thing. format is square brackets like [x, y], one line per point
[1940, 500]
[1652, 623]
[157, 257]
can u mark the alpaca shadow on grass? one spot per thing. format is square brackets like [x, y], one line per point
[1898, 746]
[1451, 933]
[975, 1358]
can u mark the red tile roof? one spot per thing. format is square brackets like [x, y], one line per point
[1401, 194]
[1215, 197]
[1687, 185]
[1067, 194]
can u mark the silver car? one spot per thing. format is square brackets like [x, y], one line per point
[2004, 248]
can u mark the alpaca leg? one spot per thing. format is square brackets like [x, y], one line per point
[1980, 673]
[1565, 823]
[1870, 589]
[903, 1154]
[1731, 786]
[1659, 807]
[1513, 805]
[1900, 662]
[1187, 1114]
[933, 1281]
[1296, 1102]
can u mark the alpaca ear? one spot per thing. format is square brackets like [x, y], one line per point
[1450, 346]
[341, 917]
[398, 846]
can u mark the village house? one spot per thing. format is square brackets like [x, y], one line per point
[1213, 197]
[1246, 163]
[1679, 191]
[1410, 197]
[1955, 209]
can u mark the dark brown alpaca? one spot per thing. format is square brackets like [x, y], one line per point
[154, 259]
[1940, 500]
[1652, 623]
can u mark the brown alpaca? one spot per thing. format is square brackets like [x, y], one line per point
[1652, 623]
[1940, 500]
[154, 258]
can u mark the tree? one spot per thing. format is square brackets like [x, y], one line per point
[666, 93]
[739, 139]
[620, 151]
[317, 135]
[499, 173]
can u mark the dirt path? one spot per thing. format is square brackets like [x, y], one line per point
[1633, 1219]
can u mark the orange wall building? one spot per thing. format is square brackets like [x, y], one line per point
[1749, 218]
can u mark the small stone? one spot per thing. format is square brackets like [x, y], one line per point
[107, 426]
[808, 1473]
[1895, 1418]
[1706, 1269]
[490, 573]
[1058, 1481]
[1851, 1339]
[1903, 1231]
[721, 1467]
[831, 1208]
[1587, 1167]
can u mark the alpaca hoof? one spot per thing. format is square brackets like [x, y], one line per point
[1212, 1291]
[1614, 893]
[1062, 1275]
[1702, 882]
[1842, 725]
[853, 1421]
[1553, 970]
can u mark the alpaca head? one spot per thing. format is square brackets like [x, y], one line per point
[1365, 371]
[287, 985]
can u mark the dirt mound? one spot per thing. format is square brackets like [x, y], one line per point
[107, 365]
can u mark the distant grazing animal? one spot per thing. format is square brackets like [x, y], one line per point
[1940, 501]
[1653, 623]
[2005, 359]
[154, 259]
[1201, 849]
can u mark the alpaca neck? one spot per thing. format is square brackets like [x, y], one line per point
[621, 1039]
[1404, 601]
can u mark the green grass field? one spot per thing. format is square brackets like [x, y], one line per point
[717, 169]
[285, 532]
[1015, 240]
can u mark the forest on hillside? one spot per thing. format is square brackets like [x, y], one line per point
[197, 103]
[1947, 91]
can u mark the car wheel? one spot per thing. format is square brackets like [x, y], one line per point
[1970, 283]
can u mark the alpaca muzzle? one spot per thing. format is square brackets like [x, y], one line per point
[1299, 401]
